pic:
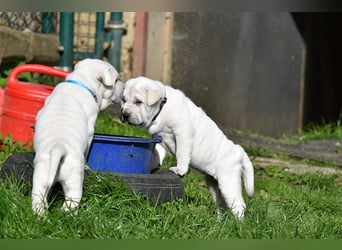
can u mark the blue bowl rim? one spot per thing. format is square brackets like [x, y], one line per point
[127, 139]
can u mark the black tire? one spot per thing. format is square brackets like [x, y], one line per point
[19, 165]
[161, 185]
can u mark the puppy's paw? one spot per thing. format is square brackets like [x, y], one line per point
[70, 206]
[239, 210]
[181, 171]
[39, 207]
[40, 211]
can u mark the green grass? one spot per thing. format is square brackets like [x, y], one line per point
[285, 206]
[112, 125]
[324, 131]
[318, 132]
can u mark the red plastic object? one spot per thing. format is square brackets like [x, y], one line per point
[21, 101]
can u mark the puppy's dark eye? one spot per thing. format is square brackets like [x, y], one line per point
[123, 99]
[138, 102]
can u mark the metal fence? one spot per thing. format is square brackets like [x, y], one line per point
[48, 22]
[40, 22]
[88, 37]
[84, 31]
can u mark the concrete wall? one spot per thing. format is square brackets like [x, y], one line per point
[159, 46]
[28, 46]
[244, 69]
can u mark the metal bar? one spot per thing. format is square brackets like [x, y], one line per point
[99, 35]
[84, 54]
[115, 27]
[66, 37]
[47, 23]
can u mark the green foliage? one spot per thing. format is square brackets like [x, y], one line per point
[331, 130]
[8, 147]
[324, 131]
[108, 124]
[257, 151]
[6, 69]
[3, 77]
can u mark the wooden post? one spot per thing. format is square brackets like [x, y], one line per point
[140, 42]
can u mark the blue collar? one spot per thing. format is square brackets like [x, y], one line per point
[83, 86]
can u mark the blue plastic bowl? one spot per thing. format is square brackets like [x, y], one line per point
[122, 154]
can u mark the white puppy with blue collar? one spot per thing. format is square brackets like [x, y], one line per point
[64, 130]
[192, 137]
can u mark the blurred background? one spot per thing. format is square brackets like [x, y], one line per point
[272, 73]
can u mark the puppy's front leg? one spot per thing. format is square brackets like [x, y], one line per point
[183, 148]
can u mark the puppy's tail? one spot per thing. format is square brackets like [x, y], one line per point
[247, 173]
[57, 154]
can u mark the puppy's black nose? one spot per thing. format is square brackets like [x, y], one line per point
[124, 116]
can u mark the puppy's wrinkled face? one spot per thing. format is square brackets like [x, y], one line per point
[140, 101]
[109, 88]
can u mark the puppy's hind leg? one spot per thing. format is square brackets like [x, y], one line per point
[72, 183]
[215, 194]
[40, 188]
[229, 183]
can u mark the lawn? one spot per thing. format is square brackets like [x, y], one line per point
[285, 206]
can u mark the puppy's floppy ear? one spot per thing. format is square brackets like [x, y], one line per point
[107, 77]
[153, 96]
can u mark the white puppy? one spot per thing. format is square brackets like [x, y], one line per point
[192, 137]
[65, 127]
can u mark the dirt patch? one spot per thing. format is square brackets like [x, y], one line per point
[329, 150]
[295, 168]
